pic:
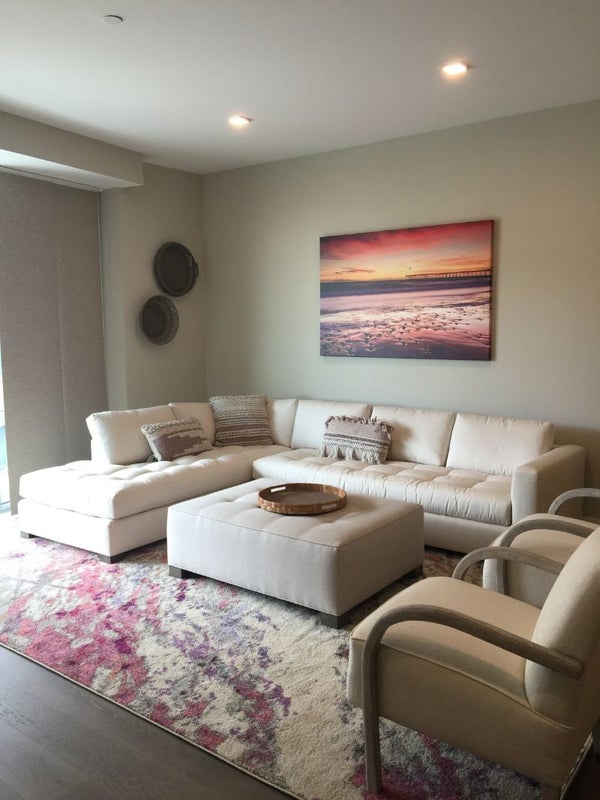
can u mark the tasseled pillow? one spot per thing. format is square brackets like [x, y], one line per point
[356, 438]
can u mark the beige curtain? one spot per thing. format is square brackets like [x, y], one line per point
[50, 322]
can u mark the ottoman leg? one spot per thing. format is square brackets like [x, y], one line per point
[331, 621]
[177, 572]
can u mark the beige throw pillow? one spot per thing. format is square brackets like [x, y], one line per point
[241, 420]
[356, 438]
[178, 437]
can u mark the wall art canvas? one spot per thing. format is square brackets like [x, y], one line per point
[408, 293]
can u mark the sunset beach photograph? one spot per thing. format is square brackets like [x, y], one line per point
[408, 293]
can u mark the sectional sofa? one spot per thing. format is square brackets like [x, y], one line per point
[474, 475]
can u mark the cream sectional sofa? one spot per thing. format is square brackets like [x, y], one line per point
[474, 475]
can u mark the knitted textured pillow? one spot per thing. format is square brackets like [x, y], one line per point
[241, 419]
[178, 437]
[356, 438]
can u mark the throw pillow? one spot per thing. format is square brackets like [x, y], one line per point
[356, 438]
[241, 420]
[178, 437]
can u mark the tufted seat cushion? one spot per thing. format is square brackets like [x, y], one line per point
[458, 493]
[112, 491]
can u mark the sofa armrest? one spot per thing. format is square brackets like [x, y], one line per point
[536, 483]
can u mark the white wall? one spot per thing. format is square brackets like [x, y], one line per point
[134, 224]
[537, 175]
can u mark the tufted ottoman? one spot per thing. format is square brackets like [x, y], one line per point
[329, 562]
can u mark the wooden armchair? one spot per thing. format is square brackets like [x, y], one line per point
[486, 672]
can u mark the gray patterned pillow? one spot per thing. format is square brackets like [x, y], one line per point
[356, 438]
[241, 420]
[175, 438]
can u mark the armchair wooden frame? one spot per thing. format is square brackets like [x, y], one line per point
[572, 494]
[553, 659]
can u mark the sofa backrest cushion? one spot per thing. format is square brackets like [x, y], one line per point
[497, 445]
[419, 435]
[311, 416]
[202, 412]
[282, 413]
[117, 437]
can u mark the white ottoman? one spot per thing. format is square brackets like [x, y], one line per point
[328, 562]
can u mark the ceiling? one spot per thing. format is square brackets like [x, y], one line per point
[315, 75]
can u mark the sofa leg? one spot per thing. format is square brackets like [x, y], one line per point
[111, 559]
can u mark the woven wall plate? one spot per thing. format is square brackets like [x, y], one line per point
[175, 269]
[159, 319]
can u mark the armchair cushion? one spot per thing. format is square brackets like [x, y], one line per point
[423, 645]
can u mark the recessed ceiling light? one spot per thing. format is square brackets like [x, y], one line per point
[239, 121]
[113, 19]
[456, 68]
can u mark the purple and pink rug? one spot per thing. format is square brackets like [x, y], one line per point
[258, 682]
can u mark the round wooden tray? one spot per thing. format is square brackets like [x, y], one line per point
[301, 498]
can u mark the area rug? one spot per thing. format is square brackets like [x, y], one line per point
[258, 682]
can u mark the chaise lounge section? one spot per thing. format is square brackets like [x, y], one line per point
[474, 475]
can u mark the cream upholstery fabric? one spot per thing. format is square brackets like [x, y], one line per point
[468, 659]
[202, 412]
[497, 444]
[569, 621]
[464, 507]
[327, 562]
[311, 415]
[419, 435]
[117, 435]
[112, 491]
[453, 493]
[523, 581]
[282, 413]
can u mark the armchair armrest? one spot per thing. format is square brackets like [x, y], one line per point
[505, 554]
[536, 483]
[495, 576]
[547, 522]
[570, 495]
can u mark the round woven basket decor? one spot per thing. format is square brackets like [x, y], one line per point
[159, 319]
[175, 269]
